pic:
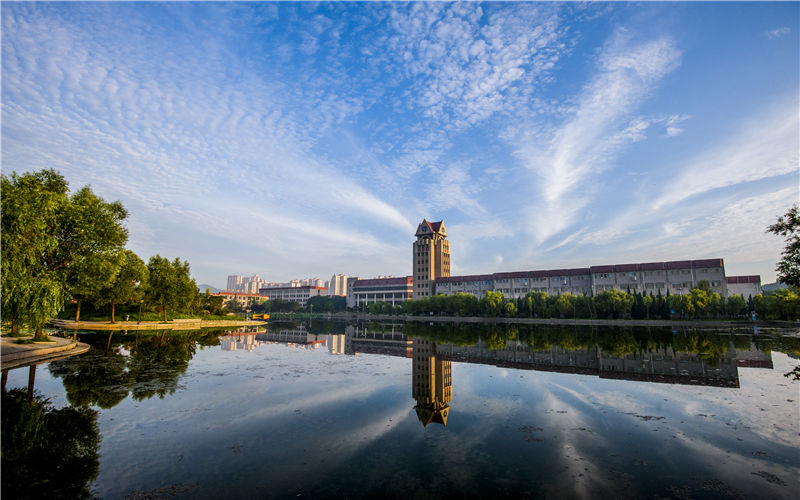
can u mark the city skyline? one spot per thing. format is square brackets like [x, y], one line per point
[295, 139]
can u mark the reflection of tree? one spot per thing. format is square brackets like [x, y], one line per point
[105, 375]
[47, 453]
[619, 341]
[156, 363]
[96, 378]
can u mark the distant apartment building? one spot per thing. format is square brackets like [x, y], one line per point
[431, 257]
[246, 284]
[389, 290]
[299, 294]
[338, 285]
[746, 286]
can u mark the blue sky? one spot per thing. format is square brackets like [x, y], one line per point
[295, 140]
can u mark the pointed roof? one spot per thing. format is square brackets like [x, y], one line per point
[428, 228]
[436, 412]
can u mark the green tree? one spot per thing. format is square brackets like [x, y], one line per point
[171, 285]
[32, 290]
[492, 303]
[91, 241]
[788, 226]
[129, 285]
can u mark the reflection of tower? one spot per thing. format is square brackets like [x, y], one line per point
[431, 383]
[431, 257]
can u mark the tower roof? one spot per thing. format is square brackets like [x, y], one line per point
[426, 228]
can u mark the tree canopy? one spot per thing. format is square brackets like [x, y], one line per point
[788, 226]
[171, 285]
[54, 246]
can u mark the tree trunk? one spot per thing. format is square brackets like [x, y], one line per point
[78, 312]
[112, 313]
[14, 327]
[165, 314]
[39, 335]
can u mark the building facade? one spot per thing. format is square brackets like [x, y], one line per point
[431, 257]
[675, 277]
[338, 285]
[245, 300]
[389, 290]
[746, 286]
[299, 294]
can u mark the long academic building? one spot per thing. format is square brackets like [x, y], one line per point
[431, 276]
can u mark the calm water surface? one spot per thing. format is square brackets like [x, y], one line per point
[329, 410]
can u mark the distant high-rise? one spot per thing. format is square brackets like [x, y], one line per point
[337, 285]
[431, 257]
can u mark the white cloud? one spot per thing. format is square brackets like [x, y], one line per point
[778, 32]
[582, 147]
[766, 146]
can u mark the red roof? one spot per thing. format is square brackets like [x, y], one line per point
[699, 264]
[734, 280]
[626, 268]
[239, 294]
[653, 266]
[384, 281]
[679, 264]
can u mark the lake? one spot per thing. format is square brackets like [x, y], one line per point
[333, 410]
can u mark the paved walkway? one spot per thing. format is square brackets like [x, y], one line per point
[13, 355]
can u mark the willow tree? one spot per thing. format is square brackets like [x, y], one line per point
[32, 206]
[54, 246]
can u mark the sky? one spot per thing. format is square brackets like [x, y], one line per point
[302, 140]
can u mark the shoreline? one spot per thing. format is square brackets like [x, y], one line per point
[176, 324]
[739, 324]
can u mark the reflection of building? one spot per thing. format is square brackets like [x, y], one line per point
[336, 344]
[390, 340]
[431, 383]
[431, 257]
[239, 342]
[299, 337]
[663, 364]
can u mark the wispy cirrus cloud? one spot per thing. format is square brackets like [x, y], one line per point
[567, 159]
[767, 145]
[778, 32]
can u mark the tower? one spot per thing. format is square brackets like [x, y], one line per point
[431, 257]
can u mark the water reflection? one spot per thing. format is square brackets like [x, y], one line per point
[140, 364]
[47, 452]
[539, 412]
[431, 383]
